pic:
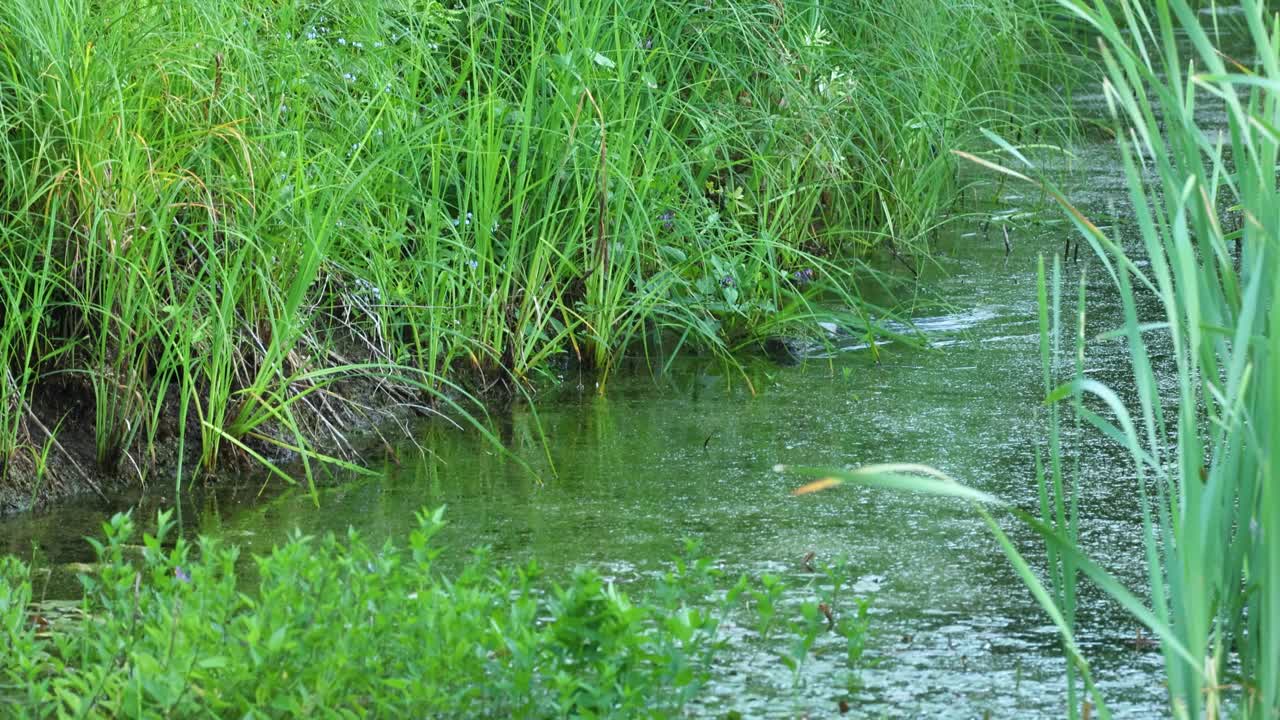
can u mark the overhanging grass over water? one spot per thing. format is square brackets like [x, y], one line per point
[224, 220]
[1200, 435]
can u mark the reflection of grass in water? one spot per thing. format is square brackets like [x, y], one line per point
[1204, 472]
[249, 225]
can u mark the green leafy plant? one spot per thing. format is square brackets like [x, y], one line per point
[335, 627]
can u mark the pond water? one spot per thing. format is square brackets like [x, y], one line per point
[689, 454]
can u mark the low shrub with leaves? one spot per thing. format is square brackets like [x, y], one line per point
[335, 628]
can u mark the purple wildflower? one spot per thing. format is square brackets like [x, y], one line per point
[668, 219]
[181, 575]
[726, 281]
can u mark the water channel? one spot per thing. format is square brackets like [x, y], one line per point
[689, 454]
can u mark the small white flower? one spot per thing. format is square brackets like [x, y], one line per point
[369, 287]
[817, 38]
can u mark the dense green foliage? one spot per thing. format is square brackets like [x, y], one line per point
[341, 629]
[1199, 291]
[217, 215]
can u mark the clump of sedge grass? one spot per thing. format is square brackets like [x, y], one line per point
[259, 222]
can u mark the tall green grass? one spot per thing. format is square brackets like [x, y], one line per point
[1207, 220]
[261, 221]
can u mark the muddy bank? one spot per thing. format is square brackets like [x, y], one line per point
[60, 457]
